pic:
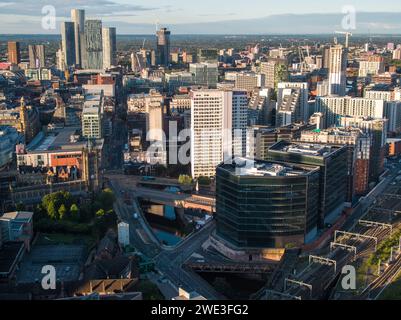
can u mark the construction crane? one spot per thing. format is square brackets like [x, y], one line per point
[304, 64]
[347, 35]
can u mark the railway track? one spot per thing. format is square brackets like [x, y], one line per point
[374, 290]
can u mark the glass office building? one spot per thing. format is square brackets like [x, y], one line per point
[93, 57]
[262, 204]
[332, 160]
[68, 43]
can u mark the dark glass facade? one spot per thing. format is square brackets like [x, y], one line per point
[255, 211]
[333, 174]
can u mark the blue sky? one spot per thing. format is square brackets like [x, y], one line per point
[24, 16]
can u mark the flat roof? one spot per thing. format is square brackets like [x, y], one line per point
[67, 259]
[53, 140]
[17, 215]
[306, 148]
[9, 255]
[250, 167]
[59, 139]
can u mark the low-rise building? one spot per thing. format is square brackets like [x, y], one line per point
[17, 227]
[9, 138]
[62, 156]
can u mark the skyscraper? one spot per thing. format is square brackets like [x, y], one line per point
[218, 123]
[93, 45]
[239, 122]
[14, 54]
[109, 47]
[154, 103]
[68, 43]
[326, 57]
[37, 56]
[78, 18]
[337, 70]
[163, 47]
[211, 124]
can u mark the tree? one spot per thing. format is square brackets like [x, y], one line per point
[51, 210]
[100, 213]
[62, 211]
[184, 179]
[106, 199]
[74, 212]
[51, 202]
[204, 181]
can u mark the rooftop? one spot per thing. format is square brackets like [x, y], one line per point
[260, 168]
[59, 139]
[10, 253]
[19, 215]
[338, 131]
[304, 148]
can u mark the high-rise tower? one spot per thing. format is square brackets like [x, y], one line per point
[14, 55]
[68, 43]
[78, 18]
[337, 70]
[163, 47]
[93, 45]
[109, 47]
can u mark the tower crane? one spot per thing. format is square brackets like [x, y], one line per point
[347, 35]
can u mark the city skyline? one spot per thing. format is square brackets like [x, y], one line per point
[237, 151]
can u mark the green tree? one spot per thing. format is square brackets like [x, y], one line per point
[106, 199]
[62, 212]
[100, 213]
[51, 210]
[74, 212]
[204, 181]
[55, 200]
[184, 179]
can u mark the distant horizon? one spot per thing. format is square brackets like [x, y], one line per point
[298, 22]
[216, 34]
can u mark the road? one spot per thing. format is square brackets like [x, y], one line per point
[168, 260]
[174, 197]
[132, 183]
[141, 238]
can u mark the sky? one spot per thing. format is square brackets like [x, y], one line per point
[189, 16]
